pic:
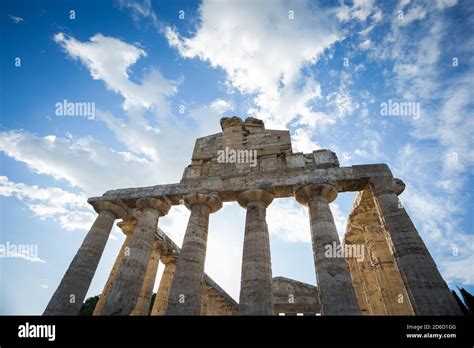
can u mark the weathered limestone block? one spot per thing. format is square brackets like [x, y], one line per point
[127, 227]
[428, 292]
[229, 124]
[68, 297]
[204, 299]
[229, 305]
[295, 160]
[162, 296]
[292, 297]
[128, 283]
[185, 294]
[216, 169]
[256, 278]
[192, 172]
[336, 293]
[268, 163]
[325, 159]
[254, 124]
[211, 303]
[241, 168]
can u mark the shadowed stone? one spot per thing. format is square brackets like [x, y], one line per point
[128, 283]
[426, 289]
[143, 303]
[127, 227]
[162, 295]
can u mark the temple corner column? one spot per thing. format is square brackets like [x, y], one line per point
[72, 290]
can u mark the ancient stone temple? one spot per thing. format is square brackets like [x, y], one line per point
[250, 165]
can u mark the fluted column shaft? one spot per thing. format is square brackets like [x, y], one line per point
[336, 292]
[161, 299]
[256, 279]
[72, 290]
[428, 292]
[185, 293]
[143, 303]
[128, 283]
[127, 228]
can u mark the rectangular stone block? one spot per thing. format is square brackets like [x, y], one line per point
[268, 163]
[242, 168]
[192, 172]
[325, 159]
[216, 169]
[295, 160]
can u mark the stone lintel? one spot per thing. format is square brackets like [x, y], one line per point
[355, 178]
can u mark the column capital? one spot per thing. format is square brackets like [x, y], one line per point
[167, 259]
[212, 201]
[161, 204]
[127, 226]
[116, 207]
[246, 197]
[326, 191]
[386, 185]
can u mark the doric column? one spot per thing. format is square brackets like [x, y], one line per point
[428, 292]
[127, 227]
[185, 294]
[161, 299]
[336, 293]
[256, 278]
[70, 294]
[128, 283]
[143, 303]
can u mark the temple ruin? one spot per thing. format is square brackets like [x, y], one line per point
[395, 276]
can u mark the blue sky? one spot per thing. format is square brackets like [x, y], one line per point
[321, 69]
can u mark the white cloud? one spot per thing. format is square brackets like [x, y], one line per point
[16, 19]
[289, 221]
[140, 9]
[301, 141]
[407, 14]
[263, 52]
[70, 209]
[459, 270]
[359, 10]
[82, 162]
[109, 59]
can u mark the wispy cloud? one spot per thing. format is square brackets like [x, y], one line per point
[16, 19]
